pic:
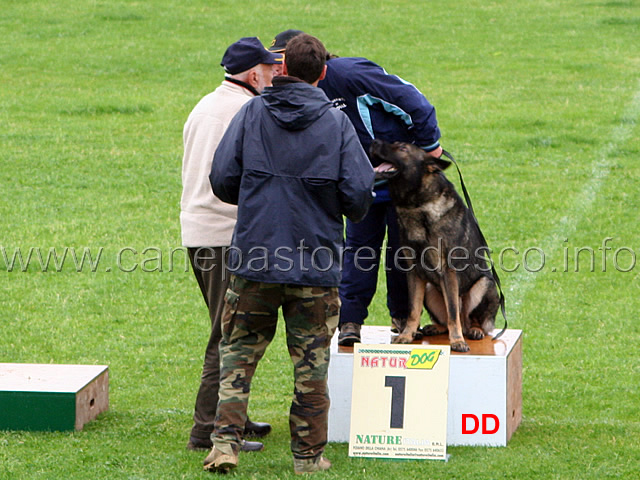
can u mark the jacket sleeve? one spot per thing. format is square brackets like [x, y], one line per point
[356, 175]
[398, 97]
[226, 168]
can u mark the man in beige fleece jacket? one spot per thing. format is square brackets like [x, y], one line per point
[207, 223]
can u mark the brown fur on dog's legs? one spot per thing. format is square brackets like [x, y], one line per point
[470, 301]
[452, 302]
[434, 303]
[416, 289]
[475, 327]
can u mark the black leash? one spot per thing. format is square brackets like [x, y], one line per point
[473, 215]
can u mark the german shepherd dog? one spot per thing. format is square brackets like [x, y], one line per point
[447, 269]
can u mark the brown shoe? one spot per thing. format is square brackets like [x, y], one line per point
[219, 461]
[349, 334]
[310, 465]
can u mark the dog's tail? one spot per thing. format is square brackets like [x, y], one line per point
[493, 270]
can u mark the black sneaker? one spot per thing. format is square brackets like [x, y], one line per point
[349, 334]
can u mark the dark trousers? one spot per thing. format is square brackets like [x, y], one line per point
[208, 265]
[360, 278]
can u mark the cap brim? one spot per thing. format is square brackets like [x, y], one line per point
[274, 58]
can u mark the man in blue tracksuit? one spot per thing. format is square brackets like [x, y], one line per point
[388, 108]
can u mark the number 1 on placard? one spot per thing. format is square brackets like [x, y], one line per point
[397, 385]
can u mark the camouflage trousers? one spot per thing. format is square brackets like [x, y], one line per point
[249, 322]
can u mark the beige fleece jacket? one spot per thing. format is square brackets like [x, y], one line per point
[205, 220]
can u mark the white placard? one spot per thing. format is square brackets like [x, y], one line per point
[399, 401]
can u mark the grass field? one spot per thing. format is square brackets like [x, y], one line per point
[538, 100]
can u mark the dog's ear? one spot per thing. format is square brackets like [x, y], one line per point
[443, 163]
[434, 165]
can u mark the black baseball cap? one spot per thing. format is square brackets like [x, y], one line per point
[280, 41]
[246, 53]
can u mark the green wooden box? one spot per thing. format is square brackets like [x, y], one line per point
[51, 397]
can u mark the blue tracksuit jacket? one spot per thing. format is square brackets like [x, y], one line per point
[380, 105]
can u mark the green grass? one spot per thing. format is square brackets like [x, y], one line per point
[538, 101]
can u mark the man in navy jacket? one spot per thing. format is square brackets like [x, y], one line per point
[385, 107]
[294, 166]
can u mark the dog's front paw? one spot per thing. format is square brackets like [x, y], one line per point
[475, 333]
[460, 346]
[403, 338]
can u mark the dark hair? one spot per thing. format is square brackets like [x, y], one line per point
[305, 57]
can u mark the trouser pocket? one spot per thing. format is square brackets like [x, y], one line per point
[231, 301]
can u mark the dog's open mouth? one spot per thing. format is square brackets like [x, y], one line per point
[385, 170]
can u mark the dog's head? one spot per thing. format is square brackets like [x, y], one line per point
[408, 160]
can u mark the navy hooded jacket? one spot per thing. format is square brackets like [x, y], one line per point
[294, 166]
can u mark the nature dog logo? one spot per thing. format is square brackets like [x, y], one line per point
[423, 358]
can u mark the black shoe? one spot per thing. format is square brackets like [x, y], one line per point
[256, 429]
[247, 446]
[197, 444]
[398, 324]
[349, 334]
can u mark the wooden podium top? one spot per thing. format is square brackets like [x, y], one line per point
[34, 377]
[376, 335]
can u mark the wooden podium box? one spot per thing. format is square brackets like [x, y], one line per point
[51, 397]
[485, 387]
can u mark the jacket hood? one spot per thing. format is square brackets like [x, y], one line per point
[294, 104]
